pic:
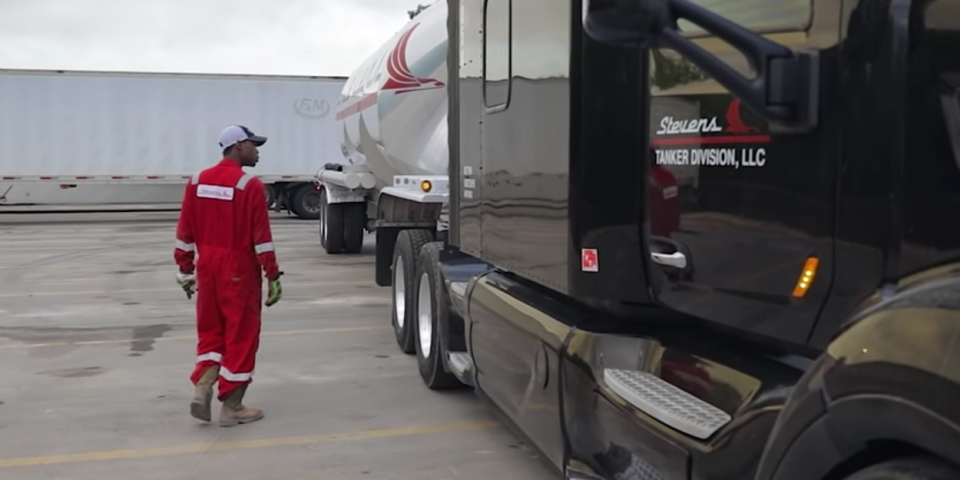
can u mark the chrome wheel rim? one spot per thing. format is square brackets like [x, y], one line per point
[424, 315]
[399, 292]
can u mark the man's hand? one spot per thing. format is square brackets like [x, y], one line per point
[188, 282]
[274, 291]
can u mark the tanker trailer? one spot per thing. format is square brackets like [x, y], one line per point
[392, 121]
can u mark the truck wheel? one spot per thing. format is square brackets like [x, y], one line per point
[405, 260]
[306, 202]
[354, 219]
[432, 311]
[331, 226]
[913, 468]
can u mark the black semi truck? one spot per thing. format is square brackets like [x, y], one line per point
[711, 240]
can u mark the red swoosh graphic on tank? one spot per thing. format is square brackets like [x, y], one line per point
[401, 79]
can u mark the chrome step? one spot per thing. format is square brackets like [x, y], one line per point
[461, 365]
[666, 402]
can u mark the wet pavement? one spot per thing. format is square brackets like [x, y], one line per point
[97, 343]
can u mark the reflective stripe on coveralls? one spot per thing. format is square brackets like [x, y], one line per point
[215, 357]
[235, 377]
[224, 216]
[210, 356]
[186, 247]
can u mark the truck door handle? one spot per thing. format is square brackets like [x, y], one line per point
[676, 259]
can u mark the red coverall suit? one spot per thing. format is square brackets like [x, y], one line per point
[224, 220]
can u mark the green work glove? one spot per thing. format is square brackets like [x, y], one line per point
[274, 291]
[188, 282]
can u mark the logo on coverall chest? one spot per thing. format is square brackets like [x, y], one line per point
[215, 192]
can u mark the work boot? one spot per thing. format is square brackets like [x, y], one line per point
[234, 412]
[203, 395]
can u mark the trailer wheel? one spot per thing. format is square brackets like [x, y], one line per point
[405, 260]
[306, 202]
[354, 220]
[432, 311]
[913, 468]
[331, 226]
[270, 191]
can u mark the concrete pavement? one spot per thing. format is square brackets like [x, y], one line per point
[97, 342]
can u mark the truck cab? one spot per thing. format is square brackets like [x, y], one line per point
[702, 239]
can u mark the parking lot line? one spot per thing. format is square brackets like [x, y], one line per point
[203, 448]
[20, 346]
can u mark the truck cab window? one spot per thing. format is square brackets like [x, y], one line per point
[763, 16]
[723, 187]
[496, 53]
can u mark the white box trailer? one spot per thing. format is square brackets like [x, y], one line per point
[67, 131]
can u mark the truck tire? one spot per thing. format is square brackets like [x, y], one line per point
[432, 313]
[354, 220]
[405, 259]
[911, 468]
[331, 226]
[306, 202]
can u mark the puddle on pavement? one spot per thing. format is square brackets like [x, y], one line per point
[49, 342]
[145, 337]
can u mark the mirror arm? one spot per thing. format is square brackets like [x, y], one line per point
[785, 90]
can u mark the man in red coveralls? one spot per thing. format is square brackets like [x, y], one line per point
[224, 221]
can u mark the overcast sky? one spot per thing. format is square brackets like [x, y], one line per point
[297, 37]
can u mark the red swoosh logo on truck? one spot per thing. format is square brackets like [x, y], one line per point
[737, 131]
[735, 122]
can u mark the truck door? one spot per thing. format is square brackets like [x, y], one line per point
[525, 120]
[740, 216]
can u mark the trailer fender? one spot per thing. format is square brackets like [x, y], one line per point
[399, 211]
[338, 194]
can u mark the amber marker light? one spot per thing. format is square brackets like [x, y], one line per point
[806, 277]
[426, 186]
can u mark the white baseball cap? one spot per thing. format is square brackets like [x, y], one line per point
[238, 133]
